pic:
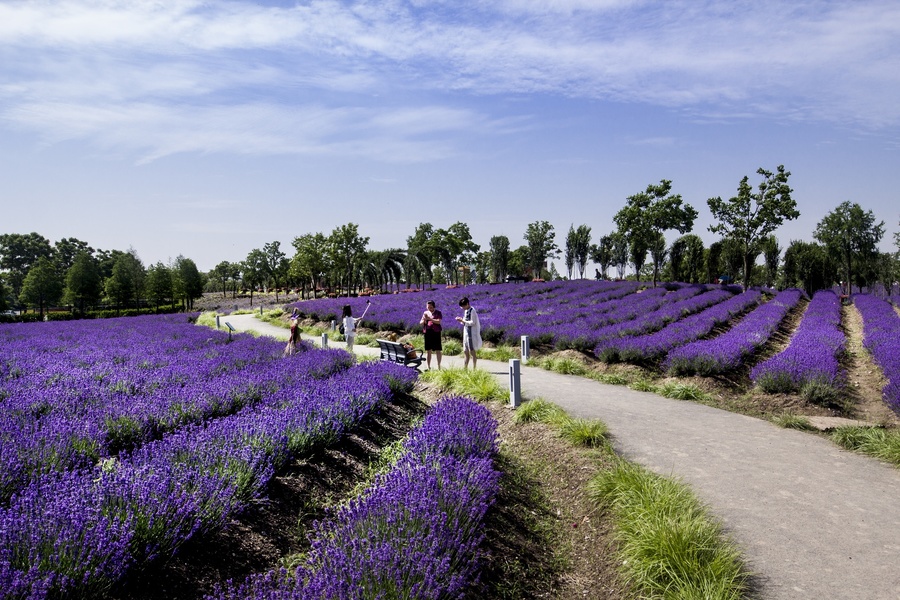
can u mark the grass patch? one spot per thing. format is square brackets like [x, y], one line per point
[563, 365]
[207, 319]
[682, 391]
[589, 433]
[475, 383]
[451, 347]
[609, 378]
[789, 421]
[670, 547]
[540, 411]
[274, 316]
[500, 353]
[874, 441]
[642, 385]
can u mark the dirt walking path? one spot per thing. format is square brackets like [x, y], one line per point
[813, 520]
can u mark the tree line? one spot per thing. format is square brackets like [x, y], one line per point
[37, 274]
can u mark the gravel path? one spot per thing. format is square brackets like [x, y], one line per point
[813, 520]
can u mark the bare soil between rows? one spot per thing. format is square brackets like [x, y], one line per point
[544, 538]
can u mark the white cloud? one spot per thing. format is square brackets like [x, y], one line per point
[332, 76]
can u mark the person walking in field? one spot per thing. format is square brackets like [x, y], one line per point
[431, 328]
[471, 332]
[349, 324]
[295, 334]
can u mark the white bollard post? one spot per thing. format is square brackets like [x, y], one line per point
[260, 311]
[217, 322]
[515, 383]
[333, 326]
[525, 349]
[324, 340]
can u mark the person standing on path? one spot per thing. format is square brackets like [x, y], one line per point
[431, 328]
[471, 332]
[295, 334]
[349, 324]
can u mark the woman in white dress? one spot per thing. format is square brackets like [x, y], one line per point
[471, 332]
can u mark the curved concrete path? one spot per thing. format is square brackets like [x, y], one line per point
[813, 520]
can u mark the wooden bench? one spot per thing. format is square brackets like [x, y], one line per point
[395, 352]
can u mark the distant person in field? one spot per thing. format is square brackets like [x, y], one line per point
[349, 324]
[431, 328]
[295, 334]
[471, 332]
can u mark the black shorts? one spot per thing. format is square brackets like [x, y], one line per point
[433, 341]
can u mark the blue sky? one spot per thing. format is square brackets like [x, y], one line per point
[207, 129]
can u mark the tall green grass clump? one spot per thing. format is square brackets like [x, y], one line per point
[669, 546]
[207, 319]
[540, 411]
[563, 365]
[874, 441]
[500, 353]
[589, 433]
[789, 421]
[475, 383]
[682, 391]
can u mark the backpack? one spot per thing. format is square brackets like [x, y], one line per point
[341, 329]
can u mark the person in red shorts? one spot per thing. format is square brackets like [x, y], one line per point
[431, 327]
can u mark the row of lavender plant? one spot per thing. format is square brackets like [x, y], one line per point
[415, 533]
[565, 314]
[506, 310]
[881, 337]
[811, 360]
[76, 392]
[655, 345]
[727, 351]
[684, 302]
[79, 532]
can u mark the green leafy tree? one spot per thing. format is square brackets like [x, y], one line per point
[18, 253]
[602, 254]
[807, 266]
[714, 261]
[658, 253]
[4, 293]
[310, 263]
[347, 248]
[84, 286]
[187, 282]
[419, 255]
[676, 259]
[126, 283]
[851, 236]
[42, 286]
[751, 216]
[66, 250]
[482, 272]
[159, 284]
[277, 265]
[772, 257]
[222, 274]
[578, 249]
[539, 238]
[518, 261]
[649, 214]
[499, 249]
[619, 253]
[694, 259]
[254, 270]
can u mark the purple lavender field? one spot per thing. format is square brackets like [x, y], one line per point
[881, 337]
[124, 439]
[810, 364]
